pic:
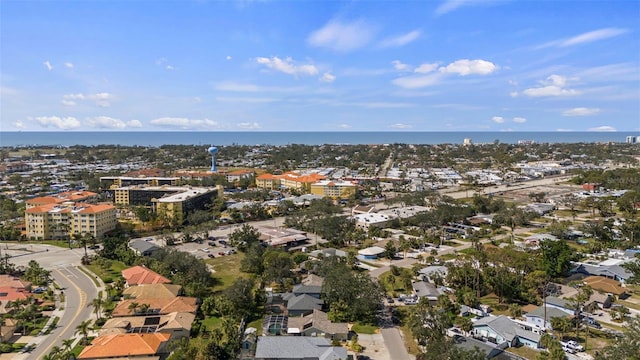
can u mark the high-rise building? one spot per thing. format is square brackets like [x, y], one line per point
[64, 220]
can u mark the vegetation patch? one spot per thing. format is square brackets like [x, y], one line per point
[107, 270]
[364, 328]
[227, 270]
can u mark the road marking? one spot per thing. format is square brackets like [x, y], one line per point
[83, 301]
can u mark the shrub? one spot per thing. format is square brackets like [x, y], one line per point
[6, 348]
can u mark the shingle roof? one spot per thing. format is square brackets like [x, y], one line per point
[298, 347]
[319, 320]
[303, 302]
[551, 312]
[605, 284]
[506, 328]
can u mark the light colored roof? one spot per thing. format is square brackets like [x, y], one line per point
[313, 280]
[124, 345]
[13, 282]
[604, 284]
[172, 321]
[319, 320]
[551, 312]
[298, 347]
[153, 291]
[506, 328]
[138, 275]
[374, 250]
[162, 306]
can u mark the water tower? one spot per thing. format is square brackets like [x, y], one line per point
[213, 151]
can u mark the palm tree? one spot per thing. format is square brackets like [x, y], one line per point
[83, 330]
[67, 344]
[97, 305]
[133, 307]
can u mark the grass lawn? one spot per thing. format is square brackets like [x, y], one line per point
[492, 301]
[524, 351]
[108, 275]
[227, 270]
[364, 329]
[629, 304]
[211, 323]
[257, 324]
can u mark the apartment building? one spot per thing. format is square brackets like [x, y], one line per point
[111, 182]
[290, 180]
[63, 220]
[334, 189]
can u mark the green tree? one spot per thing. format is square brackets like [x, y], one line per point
[556, 257]
[625, 347]
[390, 250]
[83, 330]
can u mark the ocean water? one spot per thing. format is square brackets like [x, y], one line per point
[206, 138]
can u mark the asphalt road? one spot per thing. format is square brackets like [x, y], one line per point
[394, 344]
[79, 289]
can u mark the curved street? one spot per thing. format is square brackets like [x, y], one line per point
[79, 289]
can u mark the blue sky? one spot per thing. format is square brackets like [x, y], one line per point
[451, 65]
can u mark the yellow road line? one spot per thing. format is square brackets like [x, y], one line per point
[83, 302]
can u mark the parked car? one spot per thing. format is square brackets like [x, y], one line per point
[212, 243]
[222, 242]
[211, 256]
[221, 253]
[568, 349]
[573, 344]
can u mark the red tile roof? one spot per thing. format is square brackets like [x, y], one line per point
[124, 345]
[139, 275]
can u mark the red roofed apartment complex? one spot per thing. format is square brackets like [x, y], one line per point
[60, 216]
[140, 275]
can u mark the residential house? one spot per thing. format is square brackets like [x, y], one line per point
[275, 325]
[177, 325]
[301, 304]
[311, 290]
[424, 289]
[142, 247]
[296, 348]
[126, 346]
[141, 275]
[605, 285]
[317, 324]
[430, 273]
[613, 271]
[503, 331]
[539, 319]
[7, 329]
[560, 304]
[153, 291]
[155, 306]
[370, 253]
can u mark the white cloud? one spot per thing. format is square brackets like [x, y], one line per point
[328, 77]
[497, 119]
[426, 68]
[249, 125]
[228, 57]
[344, 126]
[342, 36]
[65, 123]
[554, 85]
[245, 99]
[134, 123]
[580, 111]
[519, 120]
[513, 94]
[19, 124]
[602, 128]
[561, 130]
[287, 66]
[169, 67]
[105, 122]
[400, 126]
[415, 82]
[398, 65]
[48, 65]
[401, 40]
[68, 65]
[451, 5]
[185, 123]
[100, 99]
[466, 67]
[587, 37]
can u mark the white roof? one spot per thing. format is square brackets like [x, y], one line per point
[374, 250]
